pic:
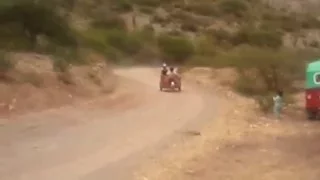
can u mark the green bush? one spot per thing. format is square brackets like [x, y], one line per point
[122, 6]
[36, 19]
[180, 15]
[146, 34]
[5, 63]
[203, 8]
[110, 22]
[161, 20]
[61, 65]
[221, 35]
[248, 84]
[257, 37]
[310, 22]
[205, 46]
[175, 48]
[263, 70]
[129, 43]
[146, 9]
[191, 27]
[114, 43]
[235, 7]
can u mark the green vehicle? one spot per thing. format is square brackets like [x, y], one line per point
[312, 91]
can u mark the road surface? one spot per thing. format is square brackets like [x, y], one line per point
[96, 143]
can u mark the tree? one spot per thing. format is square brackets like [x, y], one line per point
[36, 19]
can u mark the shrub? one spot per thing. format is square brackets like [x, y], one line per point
[33, 78]
[146, 9]
[152, 3]
[5, 63]
[235, 7]
[159, 19]
[112, 43]
[122, 6]
[314, 44]
[205, 9]
[205, 46]
[310, 22]
[35, 19]
[175, 48]
[263, 71]
[110, 22]
[265, 103]
[181, 15]
[258, 37]
[267, 69]
[60, 65]
[126, 42]
[221, 35]
[191, 27]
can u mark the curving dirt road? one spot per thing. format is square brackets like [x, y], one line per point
[91, 142]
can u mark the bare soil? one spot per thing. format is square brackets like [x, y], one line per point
[94, 140]
[34, 86]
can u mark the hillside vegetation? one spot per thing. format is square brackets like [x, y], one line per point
[267, 44]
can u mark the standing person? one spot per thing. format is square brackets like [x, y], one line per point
[278, 103]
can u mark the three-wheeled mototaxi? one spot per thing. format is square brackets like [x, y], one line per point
[312, 90]
[170, 82]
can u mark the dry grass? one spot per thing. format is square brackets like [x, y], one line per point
[35, 86]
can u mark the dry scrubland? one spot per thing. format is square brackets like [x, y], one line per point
[268, 46]
[34, 85]
[67, 52]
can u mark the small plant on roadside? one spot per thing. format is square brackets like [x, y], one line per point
[60, 65]
[33, 78]
[5, 65]
[95, 78]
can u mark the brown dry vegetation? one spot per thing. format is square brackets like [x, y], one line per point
[33, 85]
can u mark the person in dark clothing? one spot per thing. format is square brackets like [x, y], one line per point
[164, 70]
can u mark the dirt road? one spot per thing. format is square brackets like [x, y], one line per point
[93, 142]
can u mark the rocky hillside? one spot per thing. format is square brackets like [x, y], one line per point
[274, 37]
[297, 22]
[307, 6]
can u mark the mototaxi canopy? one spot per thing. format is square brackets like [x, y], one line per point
[313, 75]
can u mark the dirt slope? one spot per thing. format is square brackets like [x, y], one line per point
[94, 141]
